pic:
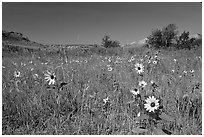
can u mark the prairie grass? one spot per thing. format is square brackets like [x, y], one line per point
[91, 95]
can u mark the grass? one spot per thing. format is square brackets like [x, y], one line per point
[95, 98]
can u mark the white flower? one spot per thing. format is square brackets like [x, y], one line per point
[138, 114]
[50, 77]
[105, 100]
[172, 70]
[139, 68]
[109, 59]
[17, 74]
[135, 91]
[110, 69]
[129, 60]
[151, 104]
[154, 62]
[132, 58]
[191, 71]
[142, 83]
[35, 76]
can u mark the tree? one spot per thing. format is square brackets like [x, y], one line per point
[164, 38]
[169, 34]
[108, 43]
[155, 39]
[184, 41]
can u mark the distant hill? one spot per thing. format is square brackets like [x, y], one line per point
[140, 43]
[196, 36]
[13, 36]
[18, 39]
[17, 42]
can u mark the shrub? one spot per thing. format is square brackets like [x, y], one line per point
[108, 43]
[163, 38]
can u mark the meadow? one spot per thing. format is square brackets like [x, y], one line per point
[78, 92]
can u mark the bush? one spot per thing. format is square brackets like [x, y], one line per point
[155, 39]
[167, 38]
[163, 38]
[108, 43]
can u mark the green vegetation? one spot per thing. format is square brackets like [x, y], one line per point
[168, 38]
[108, 43]
[95, 90]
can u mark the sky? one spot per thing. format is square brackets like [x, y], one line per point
[87, 23]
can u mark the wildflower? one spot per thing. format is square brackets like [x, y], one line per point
[154, 62]
[109, 68]
[129, 60]
[142, 83]
[35, 76]
[138, 115]
[50, 77]
[132, 58]
[149, 61]
[191, 71]
[135, 91]
[184, 71]
[151, 104]
[23, 64]
[17, 74]
[175, 60]
[139, 68]
[172, 70]
[109, 59]
[105, 100]
[151, 81]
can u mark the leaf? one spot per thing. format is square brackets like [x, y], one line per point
[139, 130]
[141, 117]
[155, 116]
[159, 132]
[166, 117]
[166, 131]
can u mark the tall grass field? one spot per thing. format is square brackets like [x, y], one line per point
[147, 92]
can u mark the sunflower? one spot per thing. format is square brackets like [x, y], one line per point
[135, 91]
[50, 77]
[109, 68]
[151, 104]
[17, 74]
[139, 68]
[142, 83]
[154, 62]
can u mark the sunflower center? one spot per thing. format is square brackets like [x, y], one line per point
[138, 68]
[52, 77]
[152, 104]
